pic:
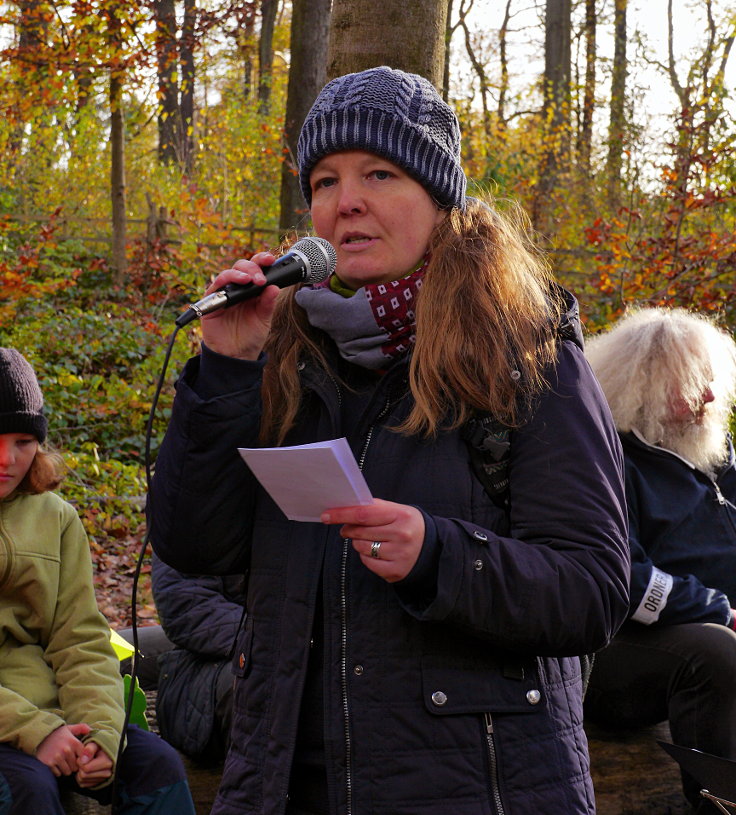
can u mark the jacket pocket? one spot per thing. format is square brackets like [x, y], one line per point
[480, 686]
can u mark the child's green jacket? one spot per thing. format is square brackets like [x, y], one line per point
[57, 665]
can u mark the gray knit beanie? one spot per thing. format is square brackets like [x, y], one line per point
[21, 402]
[396, 115]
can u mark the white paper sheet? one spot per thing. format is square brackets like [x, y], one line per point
[308, 479]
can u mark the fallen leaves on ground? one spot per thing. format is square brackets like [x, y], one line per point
[115, 561]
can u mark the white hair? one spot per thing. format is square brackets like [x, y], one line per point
[653, 356]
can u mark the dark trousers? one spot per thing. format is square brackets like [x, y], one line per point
[682, 673]
[151, 781]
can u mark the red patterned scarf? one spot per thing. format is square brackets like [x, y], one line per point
[372, 326]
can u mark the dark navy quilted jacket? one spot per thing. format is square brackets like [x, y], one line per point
[466, 702]
[201, 615]
[683, 537]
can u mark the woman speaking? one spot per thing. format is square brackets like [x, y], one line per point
[419, 654]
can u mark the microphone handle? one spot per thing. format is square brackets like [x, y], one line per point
[284, 272]
[280, 274]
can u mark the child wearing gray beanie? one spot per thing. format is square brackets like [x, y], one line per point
[63, 707]
[21, 402]
[391, 113]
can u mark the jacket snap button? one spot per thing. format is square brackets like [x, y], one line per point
[477, 565]
[533, 697]
[358, 670]
[439, 698]
[481, 536]
[241, 660]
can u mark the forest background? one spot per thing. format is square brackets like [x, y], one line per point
[146, 145]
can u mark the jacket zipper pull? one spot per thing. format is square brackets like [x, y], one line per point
[489, 723]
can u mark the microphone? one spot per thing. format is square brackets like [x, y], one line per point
[309, 260]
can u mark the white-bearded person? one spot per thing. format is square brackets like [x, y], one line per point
[670, 380]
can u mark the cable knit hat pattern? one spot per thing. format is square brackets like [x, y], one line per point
[21, 401]
[391, 113]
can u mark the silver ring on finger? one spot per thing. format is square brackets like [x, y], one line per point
[376, 549]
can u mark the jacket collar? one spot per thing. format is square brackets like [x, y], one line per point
[635, 438]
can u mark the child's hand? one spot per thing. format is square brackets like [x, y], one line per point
[61, 750]
[94, 765]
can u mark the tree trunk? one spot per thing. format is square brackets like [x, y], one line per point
[701, 98]
[33, 26]
[405, 34]
[556, 108]
[480, 72]
[168, 90]
[186, 103]
[310, 22]
[247, 46]
[32, 31]
[557, 71]
[617, 121]
[504, 80]
[449, 31]
[83, 78]
[117, 163]
[265, 54]
[586, 126]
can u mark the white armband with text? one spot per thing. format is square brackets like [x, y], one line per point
[655, 597]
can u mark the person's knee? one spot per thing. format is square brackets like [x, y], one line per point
[149, 763]
[169, 761]
[32, 790]
[712, 654]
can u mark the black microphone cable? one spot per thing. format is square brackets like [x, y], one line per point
[310, 260]
[114, 803]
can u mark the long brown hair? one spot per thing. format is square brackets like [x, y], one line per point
[485, 329]
[45, 473]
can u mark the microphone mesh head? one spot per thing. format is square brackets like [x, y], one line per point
[320, 255]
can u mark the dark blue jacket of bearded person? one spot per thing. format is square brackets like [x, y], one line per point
[674, 660]
[421, 653]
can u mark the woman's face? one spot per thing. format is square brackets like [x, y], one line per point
[17, 451]
[377, 217]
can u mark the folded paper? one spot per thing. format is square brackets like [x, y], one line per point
[308, 479]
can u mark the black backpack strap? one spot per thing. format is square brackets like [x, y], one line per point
[489, 448]
[488, 439]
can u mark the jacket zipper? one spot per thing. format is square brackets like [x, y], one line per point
[344, 632]
[344, 655]
[719, 495]
[344, 678]
[6, 545]
[493, 762]
[724, 502]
